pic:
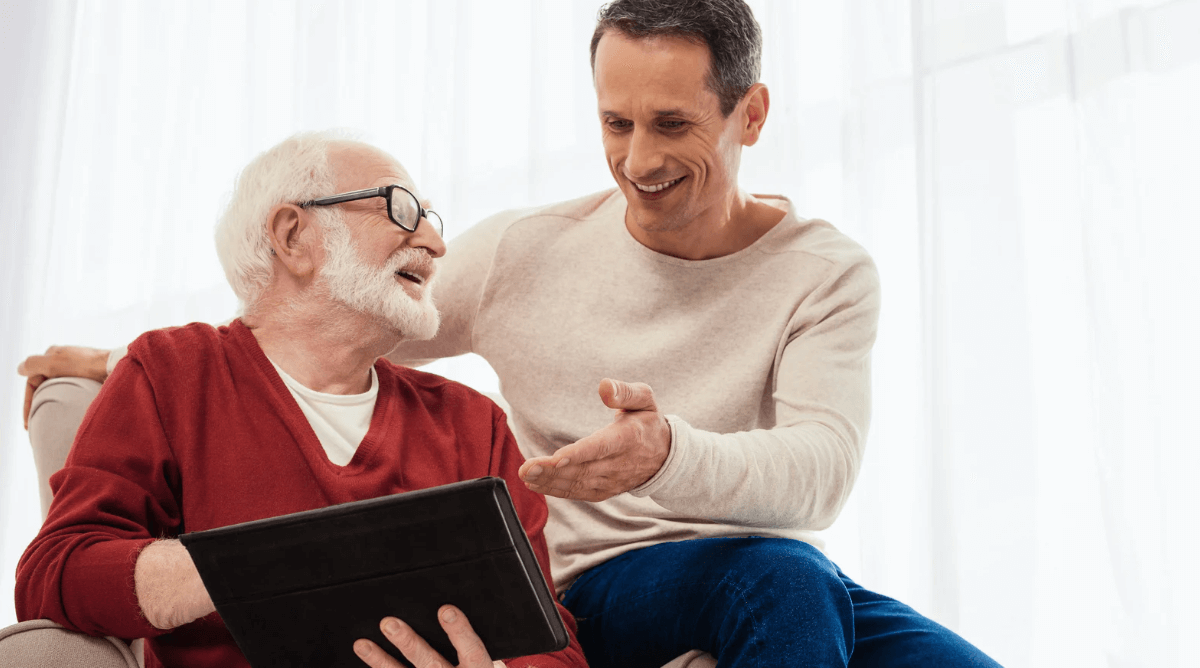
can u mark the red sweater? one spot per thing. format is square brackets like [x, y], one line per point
[195, 430]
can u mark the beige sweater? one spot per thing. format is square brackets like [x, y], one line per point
[762, 358]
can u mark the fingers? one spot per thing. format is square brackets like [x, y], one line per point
[412, 646]
[29, 403]
[373, 655]
[535, 466]
[572, 464]
[471, 652]
[34, 364]
[67, 361]
[627, 396]
[31, 386]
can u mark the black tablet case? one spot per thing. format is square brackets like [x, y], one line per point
[298, 590]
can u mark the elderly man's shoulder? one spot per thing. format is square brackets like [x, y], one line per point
[436, 391]
[181, 344]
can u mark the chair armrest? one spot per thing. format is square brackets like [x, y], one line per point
[41, 642]
[57, 410]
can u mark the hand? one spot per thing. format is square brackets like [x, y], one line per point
[61, 361]
[471, 652]
[613, 460]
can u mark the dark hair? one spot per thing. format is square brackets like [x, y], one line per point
[727, 27]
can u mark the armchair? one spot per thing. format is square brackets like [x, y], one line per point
[58, 408]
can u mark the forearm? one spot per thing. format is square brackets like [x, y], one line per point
[84, 582]
[788, 477]
[169, 589]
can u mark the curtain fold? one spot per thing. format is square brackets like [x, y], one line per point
[1023, 173]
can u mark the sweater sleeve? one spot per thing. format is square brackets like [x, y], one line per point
[799, 473]
[531, 508]
[458, 290]
[113, 497]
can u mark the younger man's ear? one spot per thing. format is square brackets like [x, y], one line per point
[754, 106]
[289, 231]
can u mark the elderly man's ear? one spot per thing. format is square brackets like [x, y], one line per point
[294, 237]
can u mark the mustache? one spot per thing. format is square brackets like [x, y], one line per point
[414, 260]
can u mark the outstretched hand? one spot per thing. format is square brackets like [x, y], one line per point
[613, 460]
[471, 652]
[61, 361]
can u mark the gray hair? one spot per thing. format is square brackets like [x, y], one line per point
[294, 170]
[727, 27]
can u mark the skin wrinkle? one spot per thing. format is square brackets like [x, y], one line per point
[300, 238]
[660, 122]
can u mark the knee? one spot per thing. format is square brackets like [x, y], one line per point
[790, 589]
[775, 561]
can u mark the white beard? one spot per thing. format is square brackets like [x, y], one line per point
[376, 291]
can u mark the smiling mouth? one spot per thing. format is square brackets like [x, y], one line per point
[411, 276]
[657, 187]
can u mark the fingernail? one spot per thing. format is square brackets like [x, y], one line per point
[361, 649]
[534, 471]
[391, 627]
[448, 615]
[562, 462]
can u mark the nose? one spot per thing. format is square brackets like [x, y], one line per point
[645, 155]
[427, 237]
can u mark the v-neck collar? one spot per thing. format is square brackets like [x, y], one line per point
[384, 414]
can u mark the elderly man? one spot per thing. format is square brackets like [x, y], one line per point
[288, 408]
[688, 520]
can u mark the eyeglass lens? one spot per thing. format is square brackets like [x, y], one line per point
[406, 211]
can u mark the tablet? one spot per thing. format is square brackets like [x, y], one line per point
[299, 589]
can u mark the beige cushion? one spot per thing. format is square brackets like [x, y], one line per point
[54, 417]
[41, 643]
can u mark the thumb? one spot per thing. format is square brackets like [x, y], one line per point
[627, 396]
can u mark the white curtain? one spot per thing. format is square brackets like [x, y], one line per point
[1023, 171]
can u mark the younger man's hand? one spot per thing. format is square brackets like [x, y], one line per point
[61, 361]
[615, 459]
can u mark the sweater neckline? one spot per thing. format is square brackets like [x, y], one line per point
[293, 415]
[631, 244]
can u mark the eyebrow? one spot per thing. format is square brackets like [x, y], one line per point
[659, 114]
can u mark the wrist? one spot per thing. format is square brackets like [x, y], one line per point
[97, 365]
[169, 590]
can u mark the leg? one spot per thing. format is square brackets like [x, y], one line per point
[57, 410]
[894, 635]
[747, 601]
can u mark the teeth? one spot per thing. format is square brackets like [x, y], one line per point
[657, 188]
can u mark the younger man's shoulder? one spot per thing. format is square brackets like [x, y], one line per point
[814, 237]
[574, 210]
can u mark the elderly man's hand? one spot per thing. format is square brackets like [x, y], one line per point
[471, 652]
[61, 361]
[613, 460]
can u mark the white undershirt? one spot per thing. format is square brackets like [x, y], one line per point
[340, 421]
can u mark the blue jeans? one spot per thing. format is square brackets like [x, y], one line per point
[749, 602]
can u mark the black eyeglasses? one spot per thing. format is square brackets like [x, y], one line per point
[403, 209]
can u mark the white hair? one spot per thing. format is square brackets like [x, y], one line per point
[295, 170]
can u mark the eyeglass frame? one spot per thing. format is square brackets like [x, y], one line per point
[386, 193]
